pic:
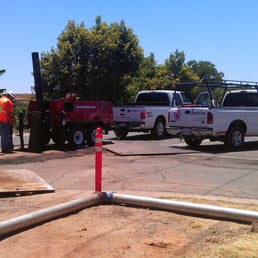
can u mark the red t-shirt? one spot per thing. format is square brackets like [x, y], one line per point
[6, 106]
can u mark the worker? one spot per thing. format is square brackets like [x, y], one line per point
[6, 121]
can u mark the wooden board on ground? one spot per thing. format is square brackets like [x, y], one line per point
[22, 182]
[132, 148]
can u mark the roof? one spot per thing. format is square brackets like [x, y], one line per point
[24, 96]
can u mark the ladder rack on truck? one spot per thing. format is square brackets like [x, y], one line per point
[209, 86]
[219, 84]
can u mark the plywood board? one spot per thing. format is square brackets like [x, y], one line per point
[21, 182]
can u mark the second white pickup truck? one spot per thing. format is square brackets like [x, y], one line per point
[229, 121]
[148, 113]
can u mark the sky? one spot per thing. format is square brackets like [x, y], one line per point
[223, 32]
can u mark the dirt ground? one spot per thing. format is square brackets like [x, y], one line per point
[122, 231]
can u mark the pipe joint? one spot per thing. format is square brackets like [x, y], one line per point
[106, 197]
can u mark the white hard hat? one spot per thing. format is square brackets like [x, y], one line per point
[11, 93]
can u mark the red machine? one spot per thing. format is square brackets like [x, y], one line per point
[73, 120]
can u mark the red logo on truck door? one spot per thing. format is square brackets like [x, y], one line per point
[177, 114]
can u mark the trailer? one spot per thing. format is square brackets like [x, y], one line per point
[71, 120]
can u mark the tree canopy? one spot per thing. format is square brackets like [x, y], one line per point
[174, 70]
[95, 63]
[106, 62]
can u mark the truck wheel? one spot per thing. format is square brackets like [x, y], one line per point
[121, 132]
[235, 137]
[192, 142]
[158, 131]
[58, 135]
[91, 135]
[76, 137]
[46, 137]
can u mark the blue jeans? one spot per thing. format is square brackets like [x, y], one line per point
[6, 137]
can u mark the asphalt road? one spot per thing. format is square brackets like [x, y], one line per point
[139, 164]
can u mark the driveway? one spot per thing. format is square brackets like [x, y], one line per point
[139, 164]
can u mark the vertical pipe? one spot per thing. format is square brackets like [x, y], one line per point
[21, 127]
[36, 143]
[43, 123]
[98, 160]
[37, 80]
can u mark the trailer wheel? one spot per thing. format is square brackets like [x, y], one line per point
[235, 137]
[58, 135]
[76, 137]
[158, 131]
[192, 141]
[46, 137]
[91, 135]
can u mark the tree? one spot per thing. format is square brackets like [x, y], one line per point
[178, 71]
[174, 64]
[205, 70]
[141, 80]
[107, 63]
[153, 76]
[63, 69]
[117, 59]
[95, 63]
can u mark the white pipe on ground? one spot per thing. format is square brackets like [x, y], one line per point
[47, 214]
[200, 210]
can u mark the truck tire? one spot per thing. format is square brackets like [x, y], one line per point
[159, 130]
[58, 135]
[46, 137]
[192, 141]
[235, 137]
[76, 137]
[91, 135]
[121, 132]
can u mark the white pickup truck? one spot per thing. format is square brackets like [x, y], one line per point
[229, 120]
[148, 113]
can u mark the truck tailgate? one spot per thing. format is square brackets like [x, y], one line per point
[188, 117]
[127, 113]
